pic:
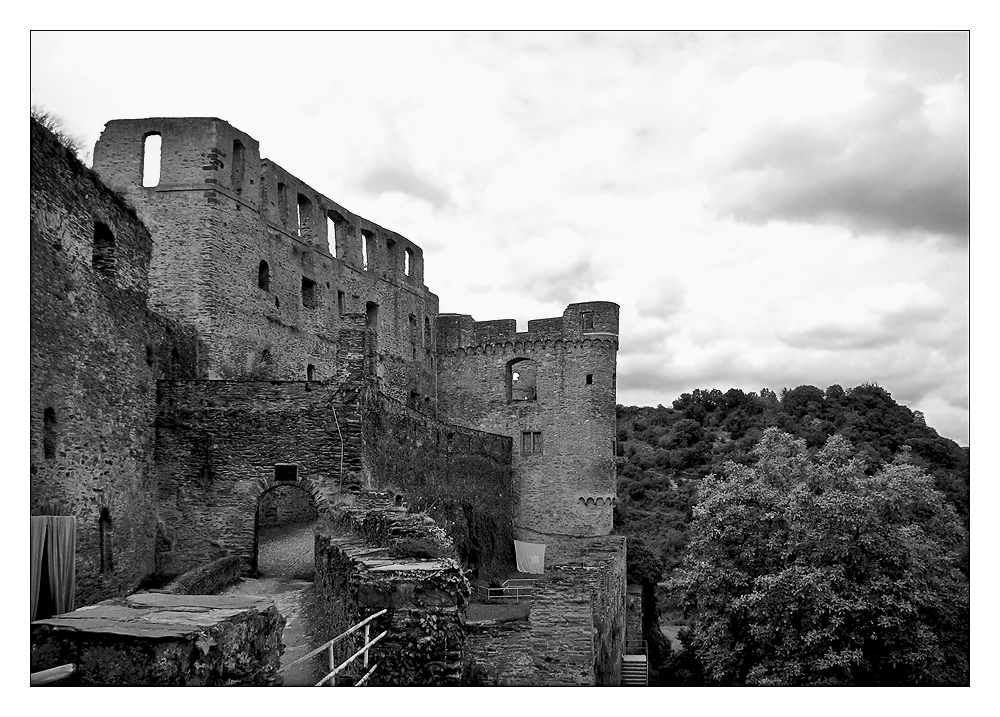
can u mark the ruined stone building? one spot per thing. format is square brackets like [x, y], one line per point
[206, 337]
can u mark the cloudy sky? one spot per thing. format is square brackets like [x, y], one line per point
[769, 209]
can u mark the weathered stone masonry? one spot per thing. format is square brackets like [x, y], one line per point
[96, 353]
[290, 345]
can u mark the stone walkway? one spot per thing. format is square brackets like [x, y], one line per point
[285, 564]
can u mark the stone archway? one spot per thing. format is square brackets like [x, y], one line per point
[285, 517]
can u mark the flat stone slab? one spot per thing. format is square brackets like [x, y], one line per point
[157, 615]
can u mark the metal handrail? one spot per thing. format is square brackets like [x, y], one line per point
[339, 637]
[349, 660]
[54, 674]
[515, 589]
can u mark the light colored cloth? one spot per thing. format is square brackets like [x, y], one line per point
[38, 523]
[530, 557]
[54, 536]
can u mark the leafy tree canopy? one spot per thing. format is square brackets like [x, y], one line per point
[804, 570]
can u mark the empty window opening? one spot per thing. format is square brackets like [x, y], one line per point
[614, 380]
[364, 250]
[107, 534]
[590, 378]
[341, 302]
[522, 375]
[427, 332]
[150, 356]
[237, 166]
[335, 225]
[277, 304]
[531, 442]
[371, 314]
[286, 472]
[407, 261]
[413, 335]
[390, 252]
[304, 209]
[49, 432]
[308, 293]
[104, 249]
[151, 159]
[310, 372]
[265, 356]
[264, 276]
[587, 320]
[282, 204]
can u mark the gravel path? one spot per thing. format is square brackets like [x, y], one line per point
[285, 566]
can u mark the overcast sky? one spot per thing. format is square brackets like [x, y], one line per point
[769, 210]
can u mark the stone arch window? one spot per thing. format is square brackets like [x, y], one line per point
[151, 150]
[413, 335]
[407, 261]
[107, 534]
[49, 432]
[390, 253]
[304, 213]
[336, 225]
[237, 167]
[310, 299]
[365, 249]
[310, 373]
[104, 249]
[264, 276]
[522, 375]
[587, 320]
[282, 204]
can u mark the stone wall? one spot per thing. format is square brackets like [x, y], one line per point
[562, 423]
[265, 266]
[161, 640]
[363, 566]
[575, 631]
[223, 444]
[459, 476]
[96, 352]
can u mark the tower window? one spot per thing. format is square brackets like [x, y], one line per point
[590, 378]
[335, 225]
[49, 432]
[364, 250]
[237, 167]
[308, 293]
[151, 145]
[282, 203]
[304, 208]
[104, 249]
[310, 372]
[341, 302]
[264, 276]
[531, 442]
[371, 313]
[107, 534]
[522, 376]
[407, 261]
[587, 320]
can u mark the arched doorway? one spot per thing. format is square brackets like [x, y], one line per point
[284, 533]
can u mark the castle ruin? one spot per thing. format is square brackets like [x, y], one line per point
[206, 337]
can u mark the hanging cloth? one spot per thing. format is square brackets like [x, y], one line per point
[54, 535]
[530, 557]
[38, 524]
[62, 561]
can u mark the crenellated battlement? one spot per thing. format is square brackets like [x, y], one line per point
[590, 320]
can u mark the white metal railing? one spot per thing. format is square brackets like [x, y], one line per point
[47, 677]
[513, 589]
[335, 670]
[635, 647]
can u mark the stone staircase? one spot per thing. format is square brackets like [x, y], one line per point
[635, 672]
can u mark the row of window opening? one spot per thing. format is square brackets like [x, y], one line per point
[152, 150]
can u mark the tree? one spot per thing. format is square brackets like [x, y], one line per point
[804, 571]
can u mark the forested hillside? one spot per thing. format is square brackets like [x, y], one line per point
[663, 453]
